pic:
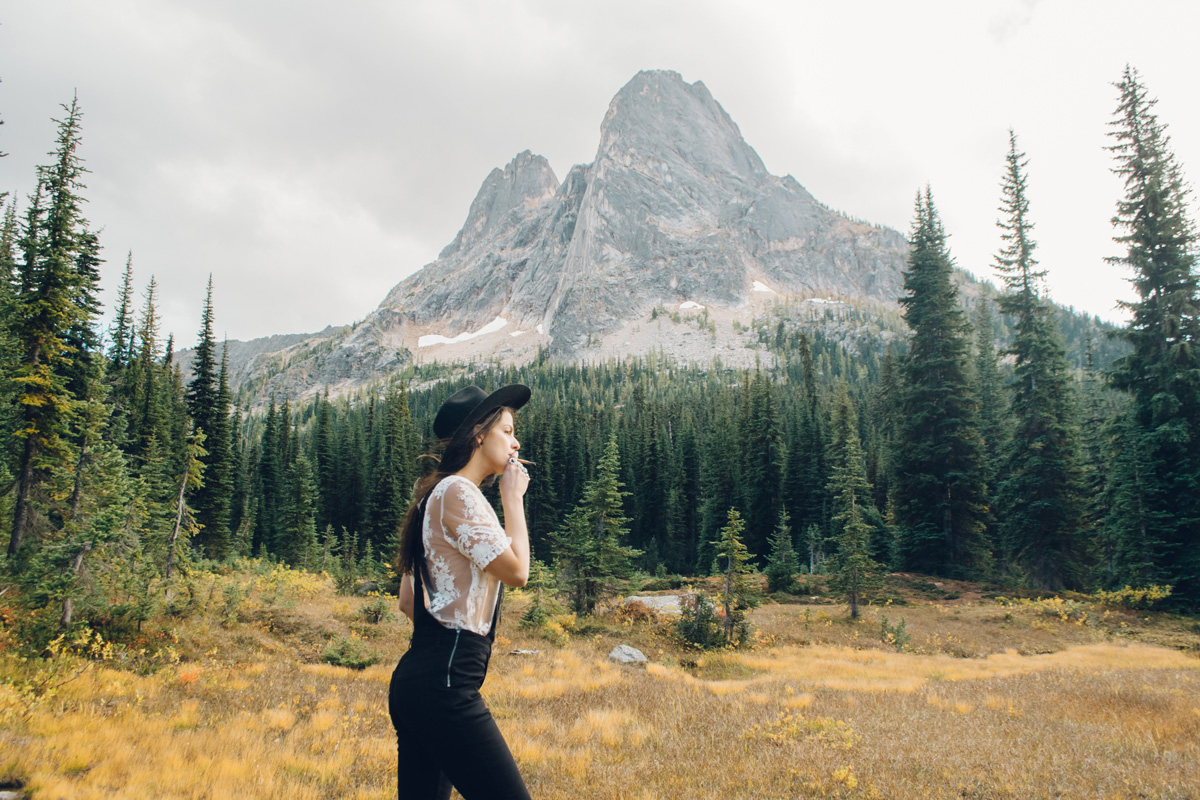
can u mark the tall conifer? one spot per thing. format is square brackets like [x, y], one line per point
[938, 456]
[211, 417]
[1159, 529]
[1038, 497]
[50, 307]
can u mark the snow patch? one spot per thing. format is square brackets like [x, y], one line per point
[540, 329]
[689, 305]
[759, 286]
[493, 326]
[517, 333]
[827, 301]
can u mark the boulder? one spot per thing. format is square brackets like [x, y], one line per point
[626, 654]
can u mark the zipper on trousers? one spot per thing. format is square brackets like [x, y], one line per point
[450, 663]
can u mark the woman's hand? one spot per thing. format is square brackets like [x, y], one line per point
[512, 566]
[514, 480]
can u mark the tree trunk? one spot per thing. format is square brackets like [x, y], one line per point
[21, 508]
[854, 596]
[65, 620]
[175, 532]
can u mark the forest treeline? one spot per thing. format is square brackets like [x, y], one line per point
[972, 447]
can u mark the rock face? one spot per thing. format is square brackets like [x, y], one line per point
[675, 209]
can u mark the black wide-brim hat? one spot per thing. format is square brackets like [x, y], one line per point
[466, 407]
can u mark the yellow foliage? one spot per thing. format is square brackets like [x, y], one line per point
[245, 714]
[791, 727]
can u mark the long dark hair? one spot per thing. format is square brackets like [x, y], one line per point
[450, 455]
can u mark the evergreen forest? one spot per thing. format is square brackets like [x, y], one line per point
[999, 438]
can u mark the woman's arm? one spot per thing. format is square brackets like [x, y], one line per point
[512, 566]
[406, 596]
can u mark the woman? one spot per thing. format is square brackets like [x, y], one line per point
[454, 556]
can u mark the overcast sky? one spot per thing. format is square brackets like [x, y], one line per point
[310, 155]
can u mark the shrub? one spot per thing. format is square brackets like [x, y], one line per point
[557, 629]
[894, 634]
[378, 610]
[233, 597]
[1134, 598]
[349, 652]
[699, 624]
[536, 617]
[634, 612]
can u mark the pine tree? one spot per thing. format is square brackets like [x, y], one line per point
[144, 382]
[397, 467]
[120, 333]
[854, 573]
[326, 463]
[806, 471]
[762, 463]
[938, 455]
[589, 546]
[50, 308]
[732, 558]
[211, 416]
[270, 481]
[226, 458]
[783, 564]
[1160, 527]
[1038, 497]
[542, 585]
[299, 514]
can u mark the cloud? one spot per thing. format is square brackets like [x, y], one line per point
[1010, 20]
[311, 156]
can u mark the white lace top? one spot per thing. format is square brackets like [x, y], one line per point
[462, 535]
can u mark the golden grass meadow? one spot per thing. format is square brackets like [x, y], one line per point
[990, 698]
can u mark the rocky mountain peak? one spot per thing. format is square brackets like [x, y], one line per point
[676, 211]
[526, 180]
[659, 115]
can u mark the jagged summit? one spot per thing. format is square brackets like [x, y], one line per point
[658, 114]
[675, 208]
[527, 179]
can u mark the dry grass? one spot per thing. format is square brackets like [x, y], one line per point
[987, 701]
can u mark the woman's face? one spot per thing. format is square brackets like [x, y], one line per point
[499, 444]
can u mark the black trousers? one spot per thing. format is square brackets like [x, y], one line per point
[445, 735]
